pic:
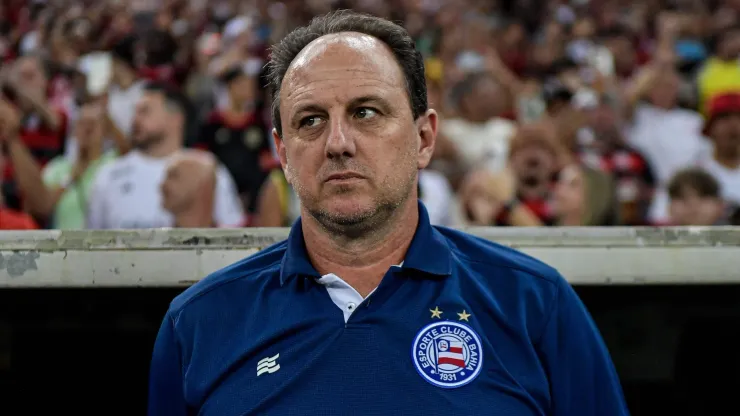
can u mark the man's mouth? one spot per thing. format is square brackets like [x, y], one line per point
[343, 176]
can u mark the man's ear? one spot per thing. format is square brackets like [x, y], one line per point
[426, 126]
[279, 147]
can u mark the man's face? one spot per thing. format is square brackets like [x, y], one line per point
[178, 187]
[243, 89]
[725, 132]
[664, 92]
[485, 101]
[694, 209]
[570, 191]
[150, 120]
[89, 127]
[30, 75]
[533, 164]
[729, 47]
[351, 147]
[625, 56]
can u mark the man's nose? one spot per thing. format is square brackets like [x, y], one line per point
[339, 143]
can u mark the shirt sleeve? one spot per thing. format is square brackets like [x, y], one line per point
[583, 380]
[166, 395]
[228, 211]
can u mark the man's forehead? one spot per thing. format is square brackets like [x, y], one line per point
[150, 97]
[27, 64]
[89, 114]
[343, 51]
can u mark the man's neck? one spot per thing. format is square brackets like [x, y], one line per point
[165, 148]
[728, 159]
[533, 192]
[571, 219]
[237, 106]
[194, 218]
[90, 154]
[125, 80]
[362, 262]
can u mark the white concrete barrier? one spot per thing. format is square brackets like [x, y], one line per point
[180, 257]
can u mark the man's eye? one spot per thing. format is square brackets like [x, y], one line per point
[365, 113]
[311, 121]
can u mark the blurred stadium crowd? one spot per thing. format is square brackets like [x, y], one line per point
[152, 113]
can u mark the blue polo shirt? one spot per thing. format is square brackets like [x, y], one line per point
[463, 326]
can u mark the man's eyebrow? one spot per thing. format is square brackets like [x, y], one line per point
[298, 112]
[309, 108]
[356, 102]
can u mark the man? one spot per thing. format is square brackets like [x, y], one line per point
[721, 72]
[480, 135]
[57, 194]
[43, 126]
[603, 148]
[10, 218]
[696, 199]
[189, 188]
[124, 93]
[668, 136]
[238, 135]
[126, 193]
[722, 128]
[367, 308]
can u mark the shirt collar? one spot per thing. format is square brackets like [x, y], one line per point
[428, 252]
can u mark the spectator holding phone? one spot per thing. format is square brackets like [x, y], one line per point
[41, 126]
[58, 194]
[11, 219]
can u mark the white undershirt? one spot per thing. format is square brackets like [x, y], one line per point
[342, 294]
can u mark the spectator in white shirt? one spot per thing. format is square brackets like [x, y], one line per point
[723, 130]
[126, 87]
[480, 135]
[126, 193]
[668, 136]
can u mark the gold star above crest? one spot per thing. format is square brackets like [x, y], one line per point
[464, 316]
[436, 313]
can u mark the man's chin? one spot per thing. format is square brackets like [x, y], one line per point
[348, 213]
[345, 214]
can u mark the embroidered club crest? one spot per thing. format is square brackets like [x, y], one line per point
[447, 354]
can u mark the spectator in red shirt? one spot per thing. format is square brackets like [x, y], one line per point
[11, 219]
[42, 126]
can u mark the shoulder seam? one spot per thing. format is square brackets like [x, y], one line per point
[548, 318]
[507, 266]
[181, 308]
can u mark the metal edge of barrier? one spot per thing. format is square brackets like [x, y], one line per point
[180, 257]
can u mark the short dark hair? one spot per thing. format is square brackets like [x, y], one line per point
[393, 35]
[173, 99]
[695, 179]
[468, 84]
[125, 51]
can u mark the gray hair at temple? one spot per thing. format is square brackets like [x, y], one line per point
[396, 37]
